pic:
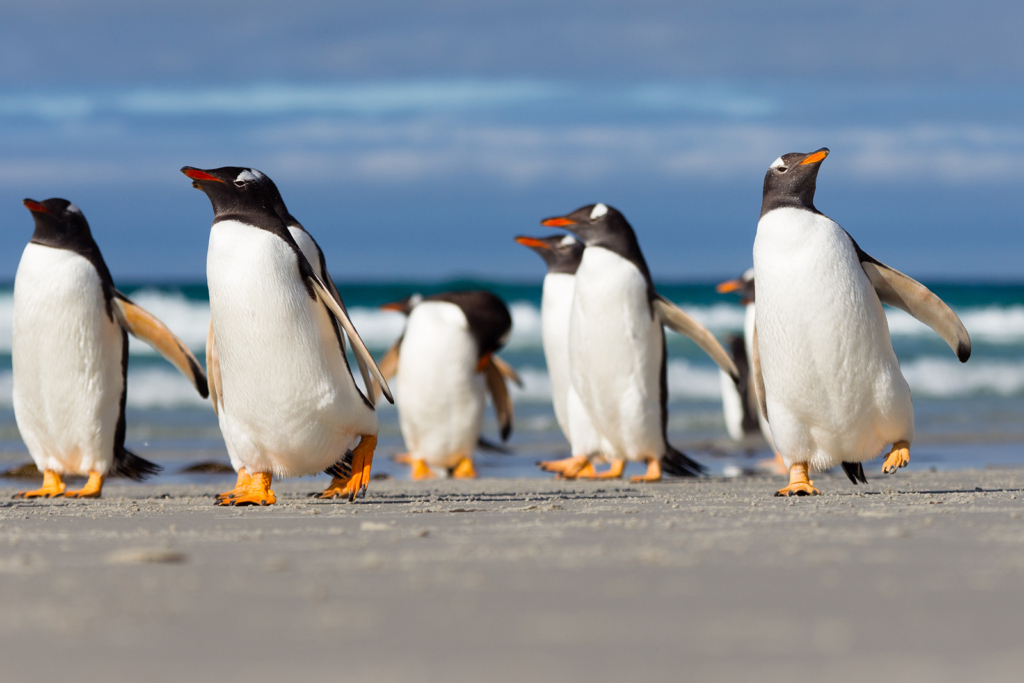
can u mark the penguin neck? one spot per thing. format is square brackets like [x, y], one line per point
[804, 199]
[82, 244]
[623, 243]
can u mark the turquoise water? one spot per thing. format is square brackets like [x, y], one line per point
[966, 415]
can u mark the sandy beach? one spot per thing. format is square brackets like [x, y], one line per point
[916, 577]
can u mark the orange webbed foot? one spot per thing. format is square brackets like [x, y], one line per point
[258, 492]
[241, 485]
[464, 469]
[93, 487]
[799, 484]
[613, 472]
[52, 487]
[898, 457]
[569, 468]
[653, 472]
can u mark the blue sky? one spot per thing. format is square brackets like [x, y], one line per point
[415, 139]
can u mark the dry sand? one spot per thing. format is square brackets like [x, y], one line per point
[917, 577]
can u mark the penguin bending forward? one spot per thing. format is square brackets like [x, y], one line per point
[69, 355]
[444, 359]
[617, 358]
[826, 375]
[562, 254]
[289, 402]
[341, 485]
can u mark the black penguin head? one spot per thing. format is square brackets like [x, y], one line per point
[235, 190]
[59, 223]
[561, 253]
[791, 180]
[405, 305]
[743, 285]
[595, 224]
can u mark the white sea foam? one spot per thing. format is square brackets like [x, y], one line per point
[189, 319]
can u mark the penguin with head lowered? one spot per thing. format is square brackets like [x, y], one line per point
[444, 361]
[289, 402]
[341, 484]
[825, 372]
[69, 355]
[617, 355]
[562, 254]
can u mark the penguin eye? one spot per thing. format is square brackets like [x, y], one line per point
[782, 169]
[239, 183]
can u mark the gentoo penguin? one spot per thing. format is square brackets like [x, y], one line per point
[562, 254]
[617, 358]
[290, 404]
[70, 355]
[824, 368]
[739, 399]
[314, 255]
[444, 359]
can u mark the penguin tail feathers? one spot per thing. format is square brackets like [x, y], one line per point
[678, 464]
[341, 469]
[127, 464]
[491, 447]
[855, 471]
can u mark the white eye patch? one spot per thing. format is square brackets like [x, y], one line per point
[246, 177]
[599, 210]
[567, 241]
[73, 209]
[778, 162]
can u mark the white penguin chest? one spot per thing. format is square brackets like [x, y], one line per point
[66, 357]
[833, 385]
[616, 352]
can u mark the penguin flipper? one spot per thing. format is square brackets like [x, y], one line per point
[357, 343]
[143, 325]
[758, 376]
[507, 370]
[907, 294]
[855, 471]
[213, 370]
[678, 320]
[372, 387]
[499, 395]
[896, 289]
[389, 363]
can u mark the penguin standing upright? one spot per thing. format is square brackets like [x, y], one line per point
[444, 360]
[825, 372]
[291, 406]
[314, 255]
[562, 254]
[617, 354]
[69, 355]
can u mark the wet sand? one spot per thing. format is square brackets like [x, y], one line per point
[915, 577]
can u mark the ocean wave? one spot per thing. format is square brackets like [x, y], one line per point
[157, 388]
[148, 389]
[189, 319]
[948, 378]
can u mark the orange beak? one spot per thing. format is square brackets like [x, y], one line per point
[728, 286]
[815, 157]
[533, 242]
[35, 207]
[559, 222]
[393, 306]
[196, 174]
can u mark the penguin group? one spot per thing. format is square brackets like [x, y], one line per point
[814, 372]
